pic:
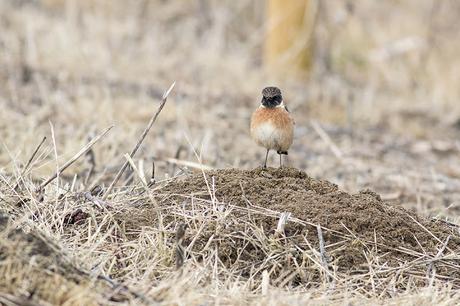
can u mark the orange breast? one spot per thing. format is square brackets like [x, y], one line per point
[272, 128]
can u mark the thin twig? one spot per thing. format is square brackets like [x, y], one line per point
[136, 170]
[320, 265]
[322, 250]
[431, 271]
[327, 140]
[92, 162]
[74, 158]
[434, 219]
[423, 227]
[177, 157]
[29, 162]
[99, 204]
[265, 282]
[53, 137]
[152, 177]
[123, 288]
[180, 250]
[282, 223]
[189, 164]
[138, 144]
[152, 199]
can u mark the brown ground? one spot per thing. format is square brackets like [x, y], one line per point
[393, 233]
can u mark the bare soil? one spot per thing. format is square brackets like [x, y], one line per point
[394, 234]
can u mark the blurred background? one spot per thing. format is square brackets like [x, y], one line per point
[372, 85]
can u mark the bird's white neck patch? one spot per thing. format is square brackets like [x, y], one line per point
[281, 105]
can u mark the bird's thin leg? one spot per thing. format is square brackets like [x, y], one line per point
[266, 157]
[281, 160]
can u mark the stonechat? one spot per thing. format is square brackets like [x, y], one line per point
[272, 126]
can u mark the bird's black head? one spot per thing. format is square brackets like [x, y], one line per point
[271, 97]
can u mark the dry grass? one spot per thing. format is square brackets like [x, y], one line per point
[384, 94]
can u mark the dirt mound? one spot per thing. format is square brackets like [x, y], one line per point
[359, 230]
[318, 202]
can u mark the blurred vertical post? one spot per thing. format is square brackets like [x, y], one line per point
[288, 45]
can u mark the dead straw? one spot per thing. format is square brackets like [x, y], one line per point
[139, 142]
[83, 150]
[29, 162]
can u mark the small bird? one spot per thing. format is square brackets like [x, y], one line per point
[272, 126]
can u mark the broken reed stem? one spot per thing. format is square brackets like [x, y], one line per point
[53, 137]
[152, 178]
[282, 223]
[85, 149]
[145, 185]
[431, 271]
[92, 161]
[322, 250]
[265, 282]
[176, 157]
[136, 170]
[123, 288]
[424, 228]
[189, 164]
[139, 142]
[180, 250]
[29, 162]
[326, 139]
